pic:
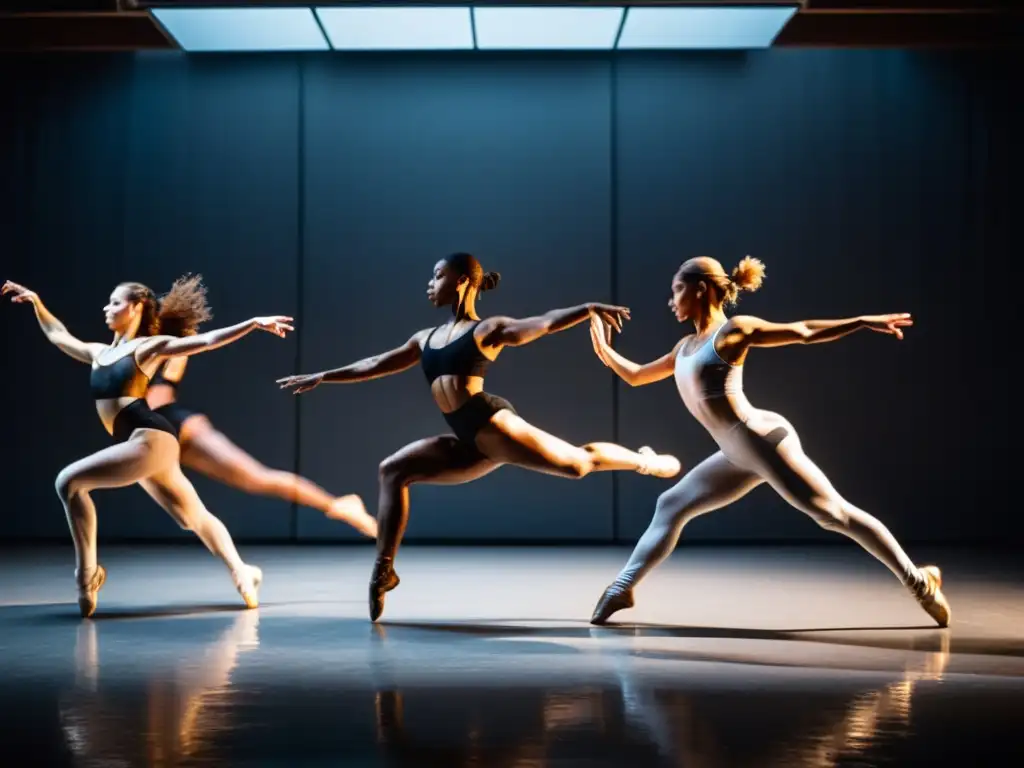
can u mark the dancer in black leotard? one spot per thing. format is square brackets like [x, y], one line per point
[206, 449]
[488, 432]
[147, 331]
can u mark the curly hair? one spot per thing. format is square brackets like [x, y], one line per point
[747, 276]
[179, 312]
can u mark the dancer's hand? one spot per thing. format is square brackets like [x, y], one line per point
[600, 336]
[612, 315]
[890, 323]
[279, 325]
[302, 383]
[19, 293]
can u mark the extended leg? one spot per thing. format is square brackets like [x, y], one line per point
[800, 482]
[207, 450]
[509, 439]
[712, 484]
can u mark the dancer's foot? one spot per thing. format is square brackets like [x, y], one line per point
[88, 593]
[351, 510]
[658, 464]
[248, 585]
[614, 599]
[929, 595]
[383, 580]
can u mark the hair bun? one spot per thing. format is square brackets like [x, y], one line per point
[748, 274]
[490, 281]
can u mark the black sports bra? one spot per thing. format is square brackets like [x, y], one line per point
[161, 379]
[461, 357]
[121, 378]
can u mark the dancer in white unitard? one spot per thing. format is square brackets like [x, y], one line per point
[755, 446]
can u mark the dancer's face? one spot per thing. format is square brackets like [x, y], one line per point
[444, 287]
[120, 312]
[685, 300]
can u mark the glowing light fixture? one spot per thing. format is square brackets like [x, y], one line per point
[385, 28]
[547, 28]
[242, 29]
[708, 28]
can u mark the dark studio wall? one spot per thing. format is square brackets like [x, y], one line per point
[326, 187]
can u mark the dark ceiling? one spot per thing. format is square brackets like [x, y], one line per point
[119, 25]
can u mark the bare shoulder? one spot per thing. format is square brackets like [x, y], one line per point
[97, 350]
[150, 347]
[94, 349]
[489, 331]
[735, 338]
[742, 323]
[490, 324]
[419, 338]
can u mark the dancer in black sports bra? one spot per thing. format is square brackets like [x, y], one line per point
[488, 431]
[147, 331]
[206, 449]
[463, 359]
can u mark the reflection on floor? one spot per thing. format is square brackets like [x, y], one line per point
[772, 658]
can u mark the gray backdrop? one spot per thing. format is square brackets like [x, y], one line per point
[327, 186]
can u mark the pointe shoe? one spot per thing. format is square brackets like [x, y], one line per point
[248, 586]
[929, 595]
[613, 600]
[350, 509]
[658, 464]
[384, 579]
[88, 594]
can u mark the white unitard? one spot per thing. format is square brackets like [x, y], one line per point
[755, 447]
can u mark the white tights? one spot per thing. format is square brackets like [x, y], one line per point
[150, 458]
[766, 449]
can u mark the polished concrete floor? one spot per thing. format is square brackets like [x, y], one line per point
[733, 657]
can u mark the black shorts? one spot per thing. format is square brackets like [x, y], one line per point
[175, 414]
[474, 414]
[138, 415]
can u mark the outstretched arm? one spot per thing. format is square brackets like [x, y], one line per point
[511, 332]
[393, 361]
[54, 329]
[634, 374]
[749, 331]
[184, 346]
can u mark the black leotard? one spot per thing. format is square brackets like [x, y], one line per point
[463, 357]
[138, 415]
[161, 379]
[174, 412]
[124, 378]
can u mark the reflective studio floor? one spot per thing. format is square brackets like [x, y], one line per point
[733, 657]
